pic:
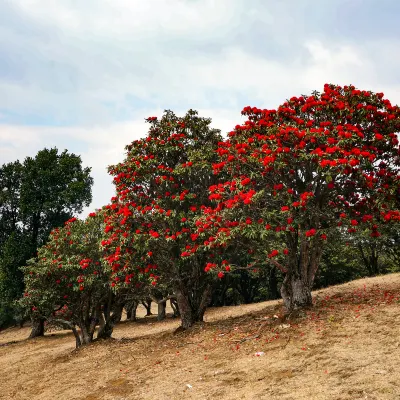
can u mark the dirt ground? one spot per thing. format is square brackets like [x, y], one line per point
[347, 347]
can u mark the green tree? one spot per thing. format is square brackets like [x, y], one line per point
[10, 190]
[54, 187]
[14, 253]
[35, 196]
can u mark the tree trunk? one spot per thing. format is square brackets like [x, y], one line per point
[161, 311]
[147, 305]
[109, 314]
[370, 260]
[131, 311]
[78, 342]
[37, 328]
[192, 306]
[273, 292]
[296, 293]
[298, 282]
[374, 260]
[86, 338]
[175, 308]
[106, 329]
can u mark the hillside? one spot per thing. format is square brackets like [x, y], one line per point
[347, 347]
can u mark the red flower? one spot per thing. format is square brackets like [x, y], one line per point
[311, 232]
[273, 253]
[221, 275]
[367, 217]
[285, 208]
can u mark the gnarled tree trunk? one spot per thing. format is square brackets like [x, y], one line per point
[109, 321]
[296, 293]
[175, 308]
[192, 304]
[111, 315]
[147, 305]
[158, 297]
[37, 328]
[298, 282]
[131, 311]
[161, 315]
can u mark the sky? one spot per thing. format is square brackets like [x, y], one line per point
[84, 75]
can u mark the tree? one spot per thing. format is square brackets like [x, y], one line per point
[54, 188]
[14, 253]
[68, 286]
[340, 261]
[297, 173]
[377, 254]
[161, 187]
[41, 193]
[10, 190]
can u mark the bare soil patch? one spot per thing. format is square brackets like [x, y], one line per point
[347, 347]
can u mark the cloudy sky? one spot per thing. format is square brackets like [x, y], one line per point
[83, 74]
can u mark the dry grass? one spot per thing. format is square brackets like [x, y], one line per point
[347, 347]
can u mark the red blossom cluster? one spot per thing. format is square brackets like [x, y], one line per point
[280, 183]
[327, 161]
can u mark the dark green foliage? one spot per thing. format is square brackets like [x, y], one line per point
[340, 263]
[35, 196]
[14, 254]
[54, 187]
[246, 286]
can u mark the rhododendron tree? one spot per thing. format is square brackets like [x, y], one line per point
[161, 187]
[297, 173]
[67, 283]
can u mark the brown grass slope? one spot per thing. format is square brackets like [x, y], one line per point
[347, 347]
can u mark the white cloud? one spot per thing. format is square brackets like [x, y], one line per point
[95, 63]
[101, 146]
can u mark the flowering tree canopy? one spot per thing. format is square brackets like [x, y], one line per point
[162, 185]
[67, 283]
[297, 173]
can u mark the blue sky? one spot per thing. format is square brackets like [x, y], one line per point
[83, 75]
